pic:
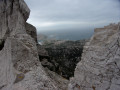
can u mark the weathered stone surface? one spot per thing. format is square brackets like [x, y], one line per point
[13, 14]
[31, 30]
[99, 68]
[60, 82]
[20, 68]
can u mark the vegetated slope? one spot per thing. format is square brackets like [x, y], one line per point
[63, 56]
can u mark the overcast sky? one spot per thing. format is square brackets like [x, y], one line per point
[66, 14]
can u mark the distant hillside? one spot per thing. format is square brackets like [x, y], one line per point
[68, 34]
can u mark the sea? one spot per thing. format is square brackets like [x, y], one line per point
[68, 34]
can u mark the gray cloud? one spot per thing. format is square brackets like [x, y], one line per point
[54, 14]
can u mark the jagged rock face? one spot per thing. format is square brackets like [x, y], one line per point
[13, 15]
[63, 57]
[20, 68]
[31, 30]
[99, 68]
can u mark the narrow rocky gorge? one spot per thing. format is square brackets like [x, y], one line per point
[98, 68]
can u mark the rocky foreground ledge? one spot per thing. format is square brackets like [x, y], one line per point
[20, 68]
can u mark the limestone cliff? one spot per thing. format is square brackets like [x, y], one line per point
[99, 68]
[20, 68]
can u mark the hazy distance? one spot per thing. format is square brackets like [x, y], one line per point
[72, 19]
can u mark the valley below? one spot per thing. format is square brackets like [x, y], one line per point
[62, 56]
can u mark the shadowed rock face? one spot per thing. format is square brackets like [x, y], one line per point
[20, 68]
[2, 44]
[99, 68]
[31, 30]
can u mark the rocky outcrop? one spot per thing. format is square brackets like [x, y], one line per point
[31, 30]
[63, 56]
[20, 68]
[99, 68]
[60, 82]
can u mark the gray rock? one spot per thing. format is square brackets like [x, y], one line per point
[99, 68]
[31, 30]
[20, 68]
[60, 82]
